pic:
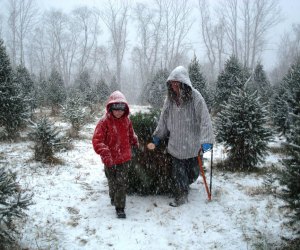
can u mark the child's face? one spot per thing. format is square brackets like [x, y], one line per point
[118, 113]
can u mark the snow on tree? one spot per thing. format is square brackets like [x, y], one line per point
[199, 81]
[261, 84]
[102, 91]
[56, 91]
[150, 170]
[46, 140]
[241, 126]
[13, 109]
[279, 109]
[233, 76]
[26, 86]
[290, 175]
[156, 91]
[285, 98]
[73, 112]
[13, 202]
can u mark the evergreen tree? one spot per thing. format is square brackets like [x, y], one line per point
[13, 202]
[241, 126]
[46, 139]
[150, 171]
[73, 112]
[156, 91]
[285, 98]
[102, 91]
[198, 81]
[290, 175]
[26, 86]
[13, 109]
[291, 82]
[56, 91]
[279, 109]
[233, 76]
[261, 84]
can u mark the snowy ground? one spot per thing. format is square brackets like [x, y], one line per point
[72, 209]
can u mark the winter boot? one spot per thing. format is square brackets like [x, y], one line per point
[120, 213]
[178, 201]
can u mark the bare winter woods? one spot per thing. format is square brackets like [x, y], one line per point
[126, 42]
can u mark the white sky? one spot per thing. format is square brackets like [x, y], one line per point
[290, 13]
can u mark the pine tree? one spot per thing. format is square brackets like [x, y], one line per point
[156, 91]
[290, 175]
[232, 77]
[46, 139]
[279, 109]
[241, 126]
[13, 202]
[261, 84]
[13, 109]
[56, 91]
[199, 81]
[102, 91]
[26, 86]
[150, 171]
[73, 112]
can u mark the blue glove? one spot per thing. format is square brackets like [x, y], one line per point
[206, 147]
[155, 140]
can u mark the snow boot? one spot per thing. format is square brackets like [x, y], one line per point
[179, 201]
[120, 213]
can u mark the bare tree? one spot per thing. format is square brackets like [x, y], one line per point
[87, 22]
[63, 38]
[115, 16]
[22, 14]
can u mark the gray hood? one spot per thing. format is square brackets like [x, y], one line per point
[180, 74]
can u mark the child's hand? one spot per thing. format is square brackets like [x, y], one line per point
[151, 146]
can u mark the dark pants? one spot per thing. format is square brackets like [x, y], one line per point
[117, 177]
[184, 173]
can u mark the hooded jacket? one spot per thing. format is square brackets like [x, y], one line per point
[188, 125]
[113, 137]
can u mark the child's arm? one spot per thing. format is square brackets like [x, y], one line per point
[133, 139]
[99, 146]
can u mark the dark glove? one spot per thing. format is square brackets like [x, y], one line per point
[206, 147]
[155, 140]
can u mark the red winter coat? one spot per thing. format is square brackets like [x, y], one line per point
[114, 137]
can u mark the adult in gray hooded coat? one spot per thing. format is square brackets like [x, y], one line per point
[185, 118]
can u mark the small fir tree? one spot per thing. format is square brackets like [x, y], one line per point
[150, 171]
[290, 175]
[156, 91]
[73, 112]
[232, 77]
[13, 109]
[279, 109]
[241, 126]
[198, 80]
[102, 91]
[56, 91]
[261, 84]
[46, 139]
[13, 202]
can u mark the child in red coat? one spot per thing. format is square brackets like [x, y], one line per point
[112, 140]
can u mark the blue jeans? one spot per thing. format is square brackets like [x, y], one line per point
[184, 173]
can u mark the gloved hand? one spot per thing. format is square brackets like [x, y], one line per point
[155, 140]
[206, 147]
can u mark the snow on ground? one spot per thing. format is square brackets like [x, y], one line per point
[72, 209]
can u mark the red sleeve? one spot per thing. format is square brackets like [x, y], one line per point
[99, 143]
[133, 139]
